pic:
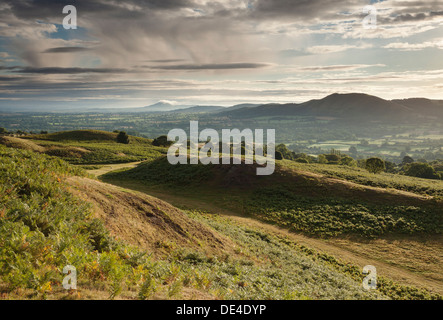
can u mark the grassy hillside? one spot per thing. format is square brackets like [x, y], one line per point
[80, 135]
[127, 245]
[303, 201]
[89, 147]
[426, 187]
[12, 142]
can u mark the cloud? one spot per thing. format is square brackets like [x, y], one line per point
[325, 49]
[338, 67]
[214, 66]
[406, 46]
[66, 50]
[56, 70]
[305, 10]
[166, 60]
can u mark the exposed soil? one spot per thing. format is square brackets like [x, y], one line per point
[13, 142]
[147, 222]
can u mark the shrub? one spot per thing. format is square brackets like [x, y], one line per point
[278, 155]
[375, 165]
[420, 170]
[162, 141]
[123, 137]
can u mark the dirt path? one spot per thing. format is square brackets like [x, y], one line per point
[112, 167]
[398, 259]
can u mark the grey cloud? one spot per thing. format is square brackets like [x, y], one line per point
[331, 68]
[56, 70]
[43, 9]
[407, 17]
[302, 9]
[66, 50]
[215, 66]
[166, 60]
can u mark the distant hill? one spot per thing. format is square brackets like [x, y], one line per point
[163, 106]
[344, 106]
[423, 107]
[242, 106]
[200, 109]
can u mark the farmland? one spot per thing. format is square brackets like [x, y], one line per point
[302, 134]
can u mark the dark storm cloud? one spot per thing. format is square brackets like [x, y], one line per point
[183, 67]
[56, 70]
[408, 17]
[163, 4]
[66, 50]
[166, 60]
[327, 11]
[42, 9]
[9, 78]
[302, 9]
[215, 66]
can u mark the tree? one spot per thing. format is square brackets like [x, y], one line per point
[162, 141]
[123, 137]
[375, 165]
[353, 151]
[3, 131]
[278, 155]
[285, 152]
[322, 159]
[333, 158]
[391, 167]
[361, 163]
[420, 170]
[407, 159]
[347, 161]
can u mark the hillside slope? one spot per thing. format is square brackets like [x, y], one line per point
[423, 107]
[46, 223]
[145, 221]
[13, 142]
[83, 135]
[307, 202]
[91, 147]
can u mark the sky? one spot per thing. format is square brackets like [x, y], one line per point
[134, 53]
